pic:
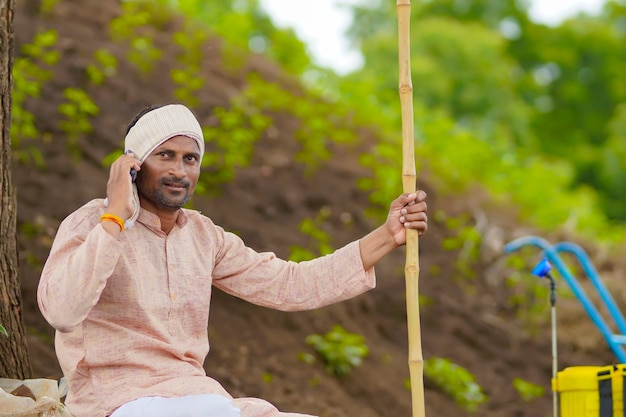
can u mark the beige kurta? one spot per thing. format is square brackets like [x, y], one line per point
[131, 315]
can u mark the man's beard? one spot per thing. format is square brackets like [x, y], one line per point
[160, 199]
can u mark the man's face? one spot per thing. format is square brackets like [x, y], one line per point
[169, 175]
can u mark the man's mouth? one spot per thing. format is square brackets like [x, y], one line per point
[176, 184]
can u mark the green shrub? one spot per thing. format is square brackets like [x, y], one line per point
[104, 66]
[76, 111]
[319, 238]
[188, 78]
[136, 26]
[340, 350]
[30, 71]
[456, 382]
[528, 391]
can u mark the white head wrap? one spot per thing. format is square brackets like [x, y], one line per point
[159, 125]
[154, 128]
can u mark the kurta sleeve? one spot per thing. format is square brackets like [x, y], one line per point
[266, 280]
[81, 259]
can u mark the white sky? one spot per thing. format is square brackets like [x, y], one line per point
[321, 24]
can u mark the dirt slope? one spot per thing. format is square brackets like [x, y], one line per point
[255, 350]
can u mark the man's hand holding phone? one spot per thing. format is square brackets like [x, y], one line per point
[120, 185]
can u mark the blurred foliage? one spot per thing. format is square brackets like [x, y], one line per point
[319, 239]
[513, 94]
[244, 26]
[233, 131]
[188, 77]
[528, 299]
[103, 67]
[32, 68]
[465, 239]
[455, 381]
[137, 26]
[77, 109]
[340, 349]
[47, 6]
[527, 390]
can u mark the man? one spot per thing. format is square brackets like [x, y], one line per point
[127, 285]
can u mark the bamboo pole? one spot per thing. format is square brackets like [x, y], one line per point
[411, 270]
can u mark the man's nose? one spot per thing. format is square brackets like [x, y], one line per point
[177, 169]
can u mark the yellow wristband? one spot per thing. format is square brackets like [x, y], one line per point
[113, 218]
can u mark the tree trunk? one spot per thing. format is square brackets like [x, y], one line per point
[14, 359]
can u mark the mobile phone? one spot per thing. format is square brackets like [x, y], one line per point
[133, 172]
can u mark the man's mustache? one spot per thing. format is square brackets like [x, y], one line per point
[175, 181]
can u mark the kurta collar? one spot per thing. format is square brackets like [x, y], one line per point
[152, 221]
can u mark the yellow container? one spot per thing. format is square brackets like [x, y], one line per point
[591, 391]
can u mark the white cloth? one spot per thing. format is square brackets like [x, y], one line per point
[159, 125]
[207, 405]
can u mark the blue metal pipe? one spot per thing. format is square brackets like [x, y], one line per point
[595, 279]
[615, 341]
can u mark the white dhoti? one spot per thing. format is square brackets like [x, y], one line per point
[205, 405]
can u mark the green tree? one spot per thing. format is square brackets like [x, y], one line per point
[244, 25]
[580, 65]
[460, 66]
[550, 91]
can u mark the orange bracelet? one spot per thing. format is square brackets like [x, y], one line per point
[113, 218]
